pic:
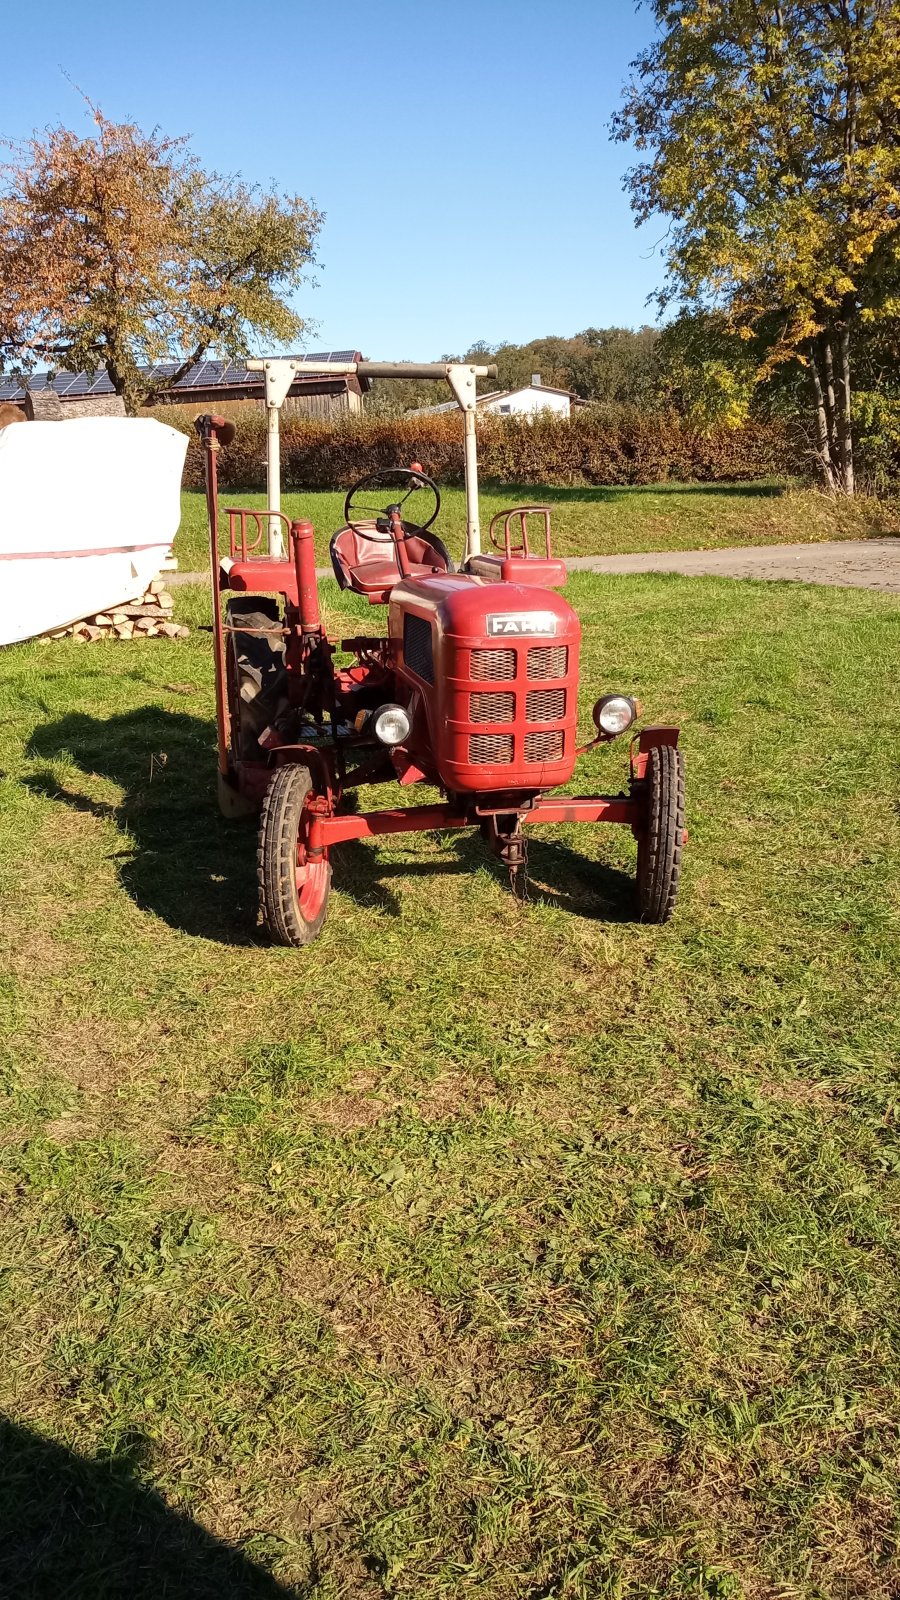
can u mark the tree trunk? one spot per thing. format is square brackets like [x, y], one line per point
[127, 382]
[827, 370]
[844, 415]
[824, 461]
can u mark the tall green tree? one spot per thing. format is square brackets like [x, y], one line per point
[770, 138]
[117, 251]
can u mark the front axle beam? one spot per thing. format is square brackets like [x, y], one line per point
[327, 831]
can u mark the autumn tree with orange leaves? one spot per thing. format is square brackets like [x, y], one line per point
[117, 251]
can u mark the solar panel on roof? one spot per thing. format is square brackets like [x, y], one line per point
[66, 384]
[328, 355]
[211, 373]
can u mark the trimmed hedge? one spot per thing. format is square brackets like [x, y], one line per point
[597, 446]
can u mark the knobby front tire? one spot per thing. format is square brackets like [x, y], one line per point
[293, 891]
[661, 844]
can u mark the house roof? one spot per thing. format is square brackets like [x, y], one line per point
[203, 375]
[501, 394]
[525, 388]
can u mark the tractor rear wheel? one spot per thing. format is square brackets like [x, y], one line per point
[293, 890]
[254, 670]
[661, 843]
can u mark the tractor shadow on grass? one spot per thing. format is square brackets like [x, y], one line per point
[558, 875]
[181, 860]
[89, 1530]
[178, 857]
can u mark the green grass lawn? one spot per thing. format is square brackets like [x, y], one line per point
[670, 516]
[511, 1252]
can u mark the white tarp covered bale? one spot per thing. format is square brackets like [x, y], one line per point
[87, 515]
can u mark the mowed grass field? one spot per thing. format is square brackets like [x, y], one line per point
[512, 1252]
[588, 521]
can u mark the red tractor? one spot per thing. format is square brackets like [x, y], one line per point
[473, 691]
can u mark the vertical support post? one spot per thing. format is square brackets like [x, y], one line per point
[461, 378]
[473, 526]
[278, 375]
[273, 479]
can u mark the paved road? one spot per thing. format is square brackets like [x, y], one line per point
[854, 563]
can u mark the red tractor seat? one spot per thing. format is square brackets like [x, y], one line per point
[369, 566]
[543, 571]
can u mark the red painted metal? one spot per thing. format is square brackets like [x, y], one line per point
[399, 537]
[516, 564]
[523, 513]
[261, 575]
[241, 549]
[303, 542]
[644, 742]
[485, 724]
[328, 831]
[488, 673]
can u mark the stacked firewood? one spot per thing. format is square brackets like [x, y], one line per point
[150, 617]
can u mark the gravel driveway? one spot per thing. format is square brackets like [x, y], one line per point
[857, 563]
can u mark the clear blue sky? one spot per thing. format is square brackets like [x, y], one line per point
[458, 147]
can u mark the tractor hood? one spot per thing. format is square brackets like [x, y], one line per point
[496, 670]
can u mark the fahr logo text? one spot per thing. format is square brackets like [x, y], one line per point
[515, 623]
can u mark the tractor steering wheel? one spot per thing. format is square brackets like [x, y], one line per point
[396, 478]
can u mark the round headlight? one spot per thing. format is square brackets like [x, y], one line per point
[613, 713]
[391, 724]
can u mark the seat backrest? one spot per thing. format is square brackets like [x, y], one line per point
[351, 550]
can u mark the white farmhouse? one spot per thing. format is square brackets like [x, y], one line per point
[527, 401]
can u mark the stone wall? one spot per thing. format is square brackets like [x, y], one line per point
[44, 405]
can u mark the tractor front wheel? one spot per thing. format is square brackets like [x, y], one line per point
[661, 842]
[293, 888]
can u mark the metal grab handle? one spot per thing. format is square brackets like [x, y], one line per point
[523, 513]
[233, 512]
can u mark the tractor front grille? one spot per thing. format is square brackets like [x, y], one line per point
[495, 666]
[418, 651]
[487, 707]
[545, 705]
[547, 745]
[490, 749]
[548, 661]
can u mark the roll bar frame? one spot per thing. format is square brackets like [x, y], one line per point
[279, 372]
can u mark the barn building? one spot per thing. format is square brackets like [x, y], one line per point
[86, 394]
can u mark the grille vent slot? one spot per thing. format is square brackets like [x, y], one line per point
[417, 647]
[490, 749]
[548, 661]
[487, 707]
[499, 666]
[548, 745]
[545, 705]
